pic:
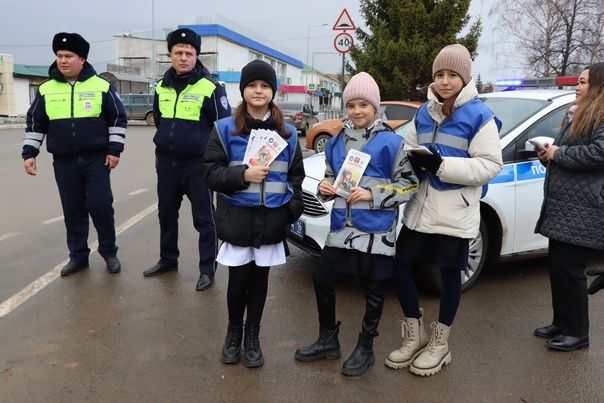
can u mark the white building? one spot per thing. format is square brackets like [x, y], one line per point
[225, 48]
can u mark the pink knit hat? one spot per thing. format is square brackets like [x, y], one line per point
[455, 58]
[362, 86]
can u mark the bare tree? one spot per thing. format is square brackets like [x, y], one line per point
[554, 37]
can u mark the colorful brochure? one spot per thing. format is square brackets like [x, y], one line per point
[263, 147]
[351, 172]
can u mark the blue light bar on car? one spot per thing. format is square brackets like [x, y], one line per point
[509, 82]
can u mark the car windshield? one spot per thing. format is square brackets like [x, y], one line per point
[513, 111]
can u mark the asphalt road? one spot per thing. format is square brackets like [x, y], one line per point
[101, 337]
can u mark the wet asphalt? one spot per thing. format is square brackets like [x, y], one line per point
[103, 337]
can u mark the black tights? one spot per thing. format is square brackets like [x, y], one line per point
[248, 285]
[449, 298]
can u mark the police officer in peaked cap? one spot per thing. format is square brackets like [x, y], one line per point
[84, 123]
[186, 105]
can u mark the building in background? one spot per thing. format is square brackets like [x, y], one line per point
[225, 48]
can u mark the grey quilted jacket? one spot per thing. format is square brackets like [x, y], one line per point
[573, 202]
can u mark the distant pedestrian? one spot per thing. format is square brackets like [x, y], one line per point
[360, 246]
[572, 214]
[444, 215]
[85, 122]
[187, 103]
[255, 205]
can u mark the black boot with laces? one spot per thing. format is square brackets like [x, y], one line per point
[252, 354]
[231, 352]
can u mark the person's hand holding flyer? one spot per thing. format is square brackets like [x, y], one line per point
[263, 147]
[351, 172]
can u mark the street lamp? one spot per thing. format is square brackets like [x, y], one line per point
[308, 38]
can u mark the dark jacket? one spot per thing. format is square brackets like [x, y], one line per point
[73, 136]
[187, 139]
[573, 202]
[250, 226]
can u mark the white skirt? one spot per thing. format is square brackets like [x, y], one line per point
[265, 255]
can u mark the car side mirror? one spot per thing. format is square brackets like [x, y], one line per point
[315, 113]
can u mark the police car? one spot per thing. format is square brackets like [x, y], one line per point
[511, 207]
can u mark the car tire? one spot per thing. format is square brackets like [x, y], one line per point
[427, 276]
[320, 141]
[150, 119]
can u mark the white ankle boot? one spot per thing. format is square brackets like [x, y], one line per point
[436, 354]
[414, 340]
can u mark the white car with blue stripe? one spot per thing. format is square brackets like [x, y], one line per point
[511, 207]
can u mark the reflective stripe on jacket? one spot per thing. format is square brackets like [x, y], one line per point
[275, 190]
[383, 150]
[453, 136]
[80, 118]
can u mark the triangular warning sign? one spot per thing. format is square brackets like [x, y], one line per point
[344, 22]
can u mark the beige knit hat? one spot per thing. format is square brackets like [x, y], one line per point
[455, 58]
[362, 86]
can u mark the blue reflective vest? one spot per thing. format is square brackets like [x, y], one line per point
[452, 137]
[275, 190]
[383, 147]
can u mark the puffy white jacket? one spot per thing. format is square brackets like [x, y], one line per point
[455, 212]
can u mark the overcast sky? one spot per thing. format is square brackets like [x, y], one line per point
[27, 27]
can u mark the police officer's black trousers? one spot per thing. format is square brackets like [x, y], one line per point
[174, 180]
[85, 188]
[569, 287]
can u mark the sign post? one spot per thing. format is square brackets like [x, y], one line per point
[343, 42]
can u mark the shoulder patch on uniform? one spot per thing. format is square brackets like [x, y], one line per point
[224, 102]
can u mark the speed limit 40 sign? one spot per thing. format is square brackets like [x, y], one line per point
[343, 42]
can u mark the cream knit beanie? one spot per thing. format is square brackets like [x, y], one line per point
[455, 58]
[362, 86]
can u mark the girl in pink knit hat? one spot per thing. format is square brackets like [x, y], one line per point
[462, 135]
[360, 245]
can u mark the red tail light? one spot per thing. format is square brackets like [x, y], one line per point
[298, 116]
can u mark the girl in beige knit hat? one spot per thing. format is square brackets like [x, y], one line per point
[462, 135]
[360, 245]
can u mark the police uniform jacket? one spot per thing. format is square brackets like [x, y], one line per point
[85, 117]
[185, 108]
[262, 222]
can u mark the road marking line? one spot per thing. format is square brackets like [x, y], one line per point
[34, 287]
[59, 218]
[8, 236]
[136, 192]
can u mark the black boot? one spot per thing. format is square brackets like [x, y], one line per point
[252, 354]
[596, 285]
[231, 352]
[361, 357]
[326, 346]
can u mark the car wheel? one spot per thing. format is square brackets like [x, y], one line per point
[150, 119]
[428, 278]
[320, 141]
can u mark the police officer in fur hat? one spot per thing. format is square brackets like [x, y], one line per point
[84, 121]
[187, 103]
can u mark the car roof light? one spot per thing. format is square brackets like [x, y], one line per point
[516, 82]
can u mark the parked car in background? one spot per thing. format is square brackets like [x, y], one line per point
[396, 112]
[301, 115]
[512, 204]
[139, 107]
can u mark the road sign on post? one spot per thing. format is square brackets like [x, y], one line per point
[343, 42]
[344, 22]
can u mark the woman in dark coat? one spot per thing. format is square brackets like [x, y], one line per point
[572, 214]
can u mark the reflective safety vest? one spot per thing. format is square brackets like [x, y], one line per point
[84, 99]
[275, 190]
[383, 148]
[186, 105]
[452, 137]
